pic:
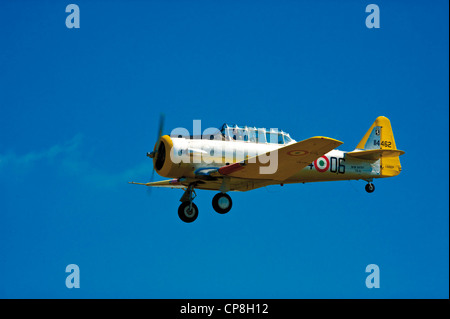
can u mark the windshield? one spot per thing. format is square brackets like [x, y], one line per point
[254, 135]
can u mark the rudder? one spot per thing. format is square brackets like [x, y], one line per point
[380, 137]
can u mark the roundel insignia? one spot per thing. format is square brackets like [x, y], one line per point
[297, 153]
[322, 164]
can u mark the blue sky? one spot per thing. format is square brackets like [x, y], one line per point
[80, 109]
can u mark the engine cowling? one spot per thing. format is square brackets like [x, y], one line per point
[162, 161]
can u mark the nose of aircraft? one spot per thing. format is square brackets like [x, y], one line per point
[161, 156]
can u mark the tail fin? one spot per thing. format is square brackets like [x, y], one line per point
[380, 137]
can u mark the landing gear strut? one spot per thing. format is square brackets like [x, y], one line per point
[188, 211]
[222, 203]
[370, 187]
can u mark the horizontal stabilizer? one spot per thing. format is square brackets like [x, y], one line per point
[375, 154]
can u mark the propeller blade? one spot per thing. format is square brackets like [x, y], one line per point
[158, 137]
[160, 130]
[155, 150]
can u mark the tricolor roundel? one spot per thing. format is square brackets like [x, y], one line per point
[322, 164]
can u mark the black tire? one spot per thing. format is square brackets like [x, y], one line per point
[222, 203]
[185, 215]
[370, 188]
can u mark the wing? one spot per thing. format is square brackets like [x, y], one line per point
[171, 183]
[282, 163]
[222, 183]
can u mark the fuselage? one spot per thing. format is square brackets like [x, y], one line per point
[185, 157]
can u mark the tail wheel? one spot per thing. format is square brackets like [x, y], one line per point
[222, 203]
[370, 188]
[186, 214]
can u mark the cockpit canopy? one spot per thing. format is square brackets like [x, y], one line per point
[254, 135]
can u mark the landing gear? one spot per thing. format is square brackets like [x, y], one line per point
[222, 203]
[370, 187]
[188, 211]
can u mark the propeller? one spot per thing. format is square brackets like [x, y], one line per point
[158, 137]
[154, 153]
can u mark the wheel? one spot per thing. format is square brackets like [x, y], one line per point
[222, 203]
[370, 188]
[186, 215]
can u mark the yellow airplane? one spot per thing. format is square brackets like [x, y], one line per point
[241, 158]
